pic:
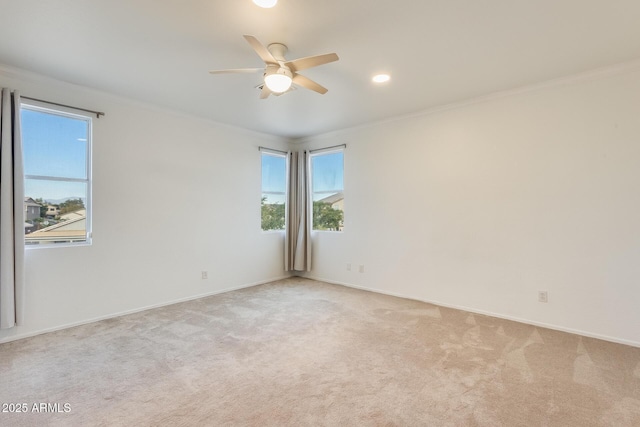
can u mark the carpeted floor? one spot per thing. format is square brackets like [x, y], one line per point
[299, 352]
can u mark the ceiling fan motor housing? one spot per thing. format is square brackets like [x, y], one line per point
[278, 50]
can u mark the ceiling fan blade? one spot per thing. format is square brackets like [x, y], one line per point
[261, 50]
[309, 84]
[237, 70]
[265, 92]
[311, 61]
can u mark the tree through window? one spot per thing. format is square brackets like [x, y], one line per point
[327, 183]
[273, 199]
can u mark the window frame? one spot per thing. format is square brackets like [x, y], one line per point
[317, 153]
[285, 156]
[46, 108]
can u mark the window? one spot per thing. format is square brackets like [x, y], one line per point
[327, 186]
[274, 186]
[57, 153]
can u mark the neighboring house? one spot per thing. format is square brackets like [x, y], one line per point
[71, 228]
[52, 211]
[81, 213]
[31, 209]
[335, 200]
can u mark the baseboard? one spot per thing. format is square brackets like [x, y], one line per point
[333, 282]
[486, 313]
[137, 310]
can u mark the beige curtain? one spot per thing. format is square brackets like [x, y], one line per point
[297, 247]
[11, 211]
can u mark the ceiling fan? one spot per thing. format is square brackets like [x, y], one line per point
[279, 73]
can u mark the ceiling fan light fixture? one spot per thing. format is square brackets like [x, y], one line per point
[265, 3]
[278, 81]
[279, 73]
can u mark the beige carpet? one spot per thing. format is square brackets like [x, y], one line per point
[299, 352]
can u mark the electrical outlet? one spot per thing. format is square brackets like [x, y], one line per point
[543, 296]
[205, 275]
[348, 267]
[361, 269]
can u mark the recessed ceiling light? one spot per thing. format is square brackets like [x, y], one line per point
[381, 78]
[265, 3]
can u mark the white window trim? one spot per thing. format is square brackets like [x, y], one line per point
[320, 152]
[285, 156]
[43, 107]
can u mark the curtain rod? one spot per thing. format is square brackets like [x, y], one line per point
[271, 149]
[310, 151]
[329, 148]
[97, 113]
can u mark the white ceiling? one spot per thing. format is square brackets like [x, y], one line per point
[437, 51]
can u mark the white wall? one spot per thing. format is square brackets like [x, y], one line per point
[477, 206]
[481, 205]
[200, 180]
